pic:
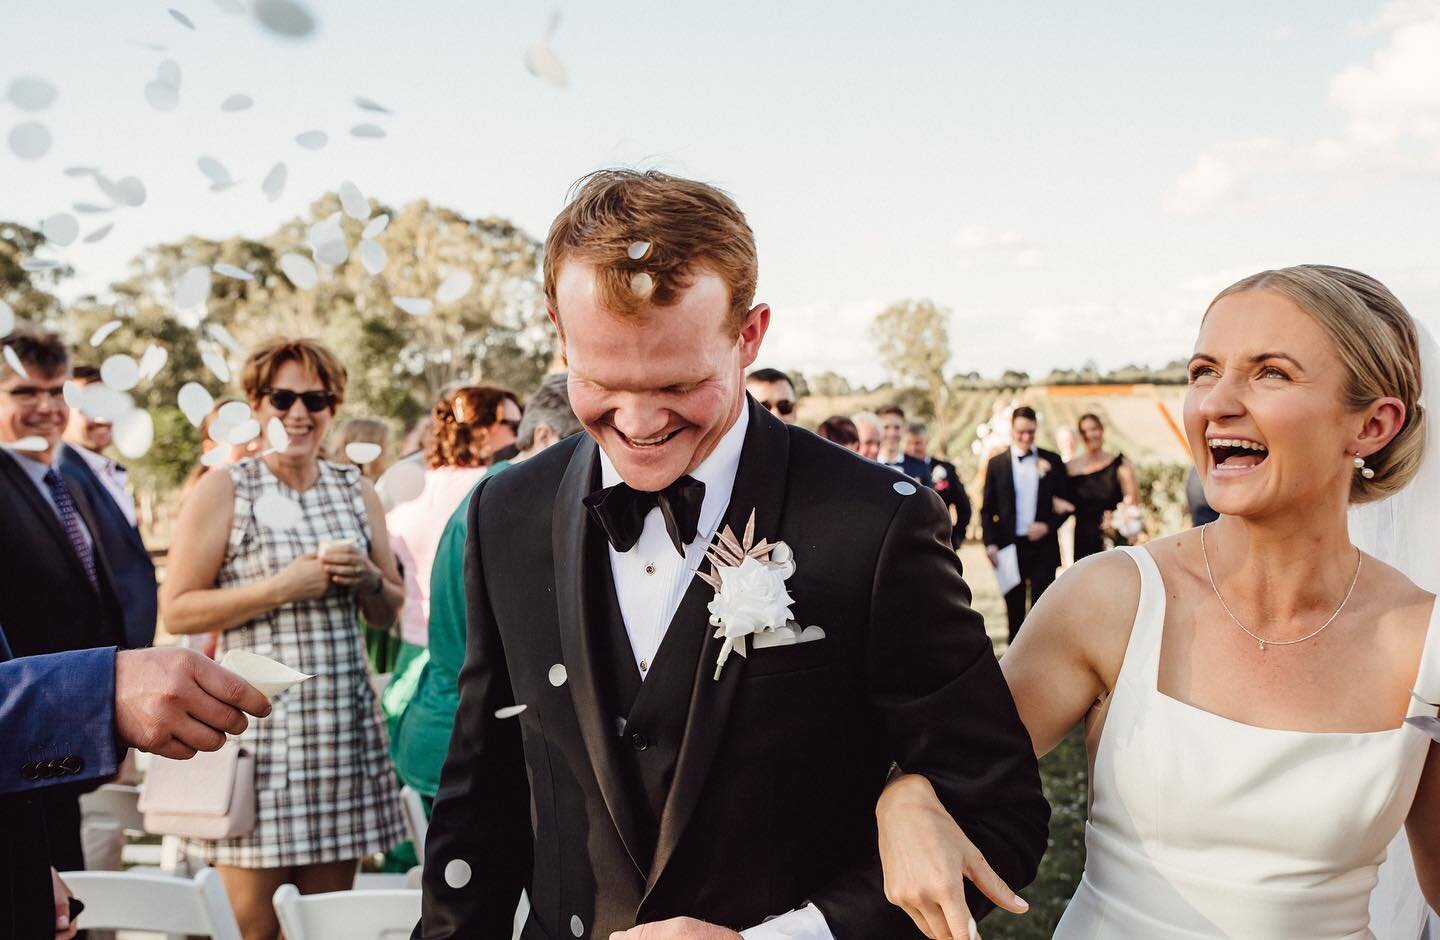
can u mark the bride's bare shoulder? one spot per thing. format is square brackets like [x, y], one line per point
[1393, 598]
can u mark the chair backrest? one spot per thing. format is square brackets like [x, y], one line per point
[347, 915]
[415, 819]
[116, 801]
[127, 900]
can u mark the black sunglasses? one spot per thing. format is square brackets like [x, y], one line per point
[784, 406]
[283, 399]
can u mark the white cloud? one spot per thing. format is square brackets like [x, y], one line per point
[977, 242]
[975, 237]
[822, 336]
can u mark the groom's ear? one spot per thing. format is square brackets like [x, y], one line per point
[559, 331]
[752, 332]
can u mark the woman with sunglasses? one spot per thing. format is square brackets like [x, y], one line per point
[280, 552]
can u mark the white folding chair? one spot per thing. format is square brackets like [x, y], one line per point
[118, 802]
[127, 900]
[347, 915]
[416, 821]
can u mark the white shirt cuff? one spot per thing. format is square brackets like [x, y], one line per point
[807, 923]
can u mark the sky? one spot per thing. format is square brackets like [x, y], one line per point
[1073, 181]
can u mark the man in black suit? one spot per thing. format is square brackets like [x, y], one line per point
[892, 444]
[83, 463]
[1021, 487]
[650, 777]
[942, 477]
[56, 591]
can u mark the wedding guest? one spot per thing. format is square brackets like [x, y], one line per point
[84, 466]
[892, 444]
[1200, 511]
[1019, 510]
[775, 393]
[942, 477]
[280, 552]
[422, 733]
[839, 429]
[1247, 685]
[362, 431]
[867, 425]
[1102, 487]
[57, 591]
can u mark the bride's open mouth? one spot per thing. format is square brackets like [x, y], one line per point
[1234, 453]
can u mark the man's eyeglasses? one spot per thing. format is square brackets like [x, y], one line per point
[283, 399]
[784, 406]
[30, 395]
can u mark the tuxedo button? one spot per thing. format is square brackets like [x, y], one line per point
[638, 741]
[72, 765]
[51, 768]
[30, 770]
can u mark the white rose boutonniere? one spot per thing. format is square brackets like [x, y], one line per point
[751, 599]
[1044, 466]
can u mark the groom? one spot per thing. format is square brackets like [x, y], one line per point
[649, 779]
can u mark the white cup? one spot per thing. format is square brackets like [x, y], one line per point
[326, 545]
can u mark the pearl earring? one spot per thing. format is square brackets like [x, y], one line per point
[1365, 471]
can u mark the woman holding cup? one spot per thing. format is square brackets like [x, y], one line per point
[280, 552]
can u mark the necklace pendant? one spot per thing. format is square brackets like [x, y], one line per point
[1262, 646]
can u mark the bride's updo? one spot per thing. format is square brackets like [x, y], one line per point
[1380, 348]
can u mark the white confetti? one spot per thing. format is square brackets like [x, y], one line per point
[215, 457]
[35, 265]
[276, 434]
[230, 270]
[61, 229]
[162, 96]
[215, 171]
[30, 140]
[376, 226]
[195, 401]
[7, 319]
[90, 208]
[367, 131]
[103, 333]
[230, 6]
[230, 414]
[577, 926]
[415, 306]
[129, 191]
[81, 170]
[134, 433]
[120, 372]
[32, 444]
[457, 873]
[904, 488]
[216, 364]
[510, 711]
[243, 433]
[274, 183]
[222, 336]
[366, 104]
[285, 17]
[362, 452]
[401, 483]
[99, 400]
[15, 363]
[182, 19]
[353, 202]
[454, 287]
[637, 250]
[152, 362]
[372, 256]
[312, 140]
[32, 94]
[544, 64]
[98, 234]
[73, 392]
[558, 674]
[300, 270]
[168, 71]
[642, 284]
[332, 253]
[237, 102]
[193, 288]
[276, 511]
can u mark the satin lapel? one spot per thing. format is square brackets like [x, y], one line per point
[44, 514]
[574, 585]
[759, 486]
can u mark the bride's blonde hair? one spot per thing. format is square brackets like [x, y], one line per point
[1379, 347]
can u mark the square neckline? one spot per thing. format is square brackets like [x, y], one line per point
[1153, 682]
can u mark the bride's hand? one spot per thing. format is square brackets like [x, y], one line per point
[927, 858]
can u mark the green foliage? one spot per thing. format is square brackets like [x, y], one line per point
[23, 291]
[1162, 493]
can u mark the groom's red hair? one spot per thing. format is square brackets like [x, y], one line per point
[686, 224]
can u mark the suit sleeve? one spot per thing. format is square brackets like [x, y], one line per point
[57, 712]
[990, 508]
[1063, 490]
[946, 713]
[482, 809]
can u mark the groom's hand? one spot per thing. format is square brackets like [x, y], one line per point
[676, 928]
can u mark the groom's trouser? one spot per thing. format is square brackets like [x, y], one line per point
[1036, 574]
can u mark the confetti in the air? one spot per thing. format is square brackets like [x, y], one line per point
[454, 287]
[276, 434]
[14, 362]
[362, 452]
[99, 400]
[376, 226]
[32, 444]
[366, 104]
[215, 457]
[98, 234]
[81, 170]
[274, 510]
[401, 483]
[237, 102]
[372, 256]
[300, 270]
[162, 96]
[195, 401]
[103, 333]
[558, 675]
[182, 19]
[168, 71]
[217, 365]
[216, 172]
[332, 253]
[230, 270]
[193, 288]
[90, 208]
[353, 202]
[128, 191]
[222, 336]
[30, 140]
[274, 183]
[415, 306]
[642, 284]
[120, 372]
[134, 433]
[7, 319]
[285, 18]
[152, 362]
[32, 94]
[35, 265]
[312, 140]
[367, 131]
[544, 64]
[510, 711]
[72, 390]
[60, 229]
[239, 435]
[231, 413]
[637, 250]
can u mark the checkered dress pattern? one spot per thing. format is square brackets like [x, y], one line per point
[325, 790]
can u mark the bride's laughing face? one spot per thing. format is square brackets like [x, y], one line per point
[1265, 415]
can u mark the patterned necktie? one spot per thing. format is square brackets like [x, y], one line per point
[70, 519]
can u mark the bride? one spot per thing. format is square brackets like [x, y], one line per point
[1244, 685]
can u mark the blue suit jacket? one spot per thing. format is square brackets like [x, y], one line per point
[915, 468]
[130, 565]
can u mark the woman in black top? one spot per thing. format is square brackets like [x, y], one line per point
[1101, 483]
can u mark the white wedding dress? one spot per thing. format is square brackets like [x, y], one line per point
[1204, 827]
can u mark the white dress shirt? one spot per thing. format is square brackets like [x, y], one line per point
[1025, 470]
[112, 476]
[36, 470]
[650, 581]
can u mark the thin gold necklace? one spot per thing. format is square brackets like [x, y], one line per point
[1253, 635]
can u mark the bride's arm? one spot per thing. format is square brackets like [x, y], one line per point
[1423, 828]
[1065, 658]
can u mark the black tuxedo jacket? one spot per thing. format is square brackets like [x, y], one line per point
[997, 510]
[47, 604]
[770, 802]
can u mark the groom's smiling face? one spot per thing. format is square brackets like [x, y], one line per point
[659, 389]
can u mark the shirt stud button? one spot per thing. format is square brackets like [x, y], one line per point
[650, 568]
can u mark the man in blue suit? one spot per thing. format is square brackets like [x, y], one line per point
[85, 467]
[65, 718]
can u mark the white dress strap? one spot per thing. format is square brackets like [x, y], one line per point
[1142, 653]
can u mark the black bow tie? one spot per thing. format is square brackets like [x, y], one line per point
[1028, 453]
[621, 510]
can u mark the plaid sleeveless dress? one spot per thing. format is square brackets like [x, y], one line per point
[325, 790]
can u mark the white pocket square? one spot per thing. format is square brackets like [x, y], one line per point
[785, 636]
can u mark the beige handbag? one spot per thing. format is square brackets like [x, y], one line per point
[209, 796]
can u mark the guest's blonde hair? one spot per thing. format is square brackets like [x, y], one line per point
[1379, 346]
